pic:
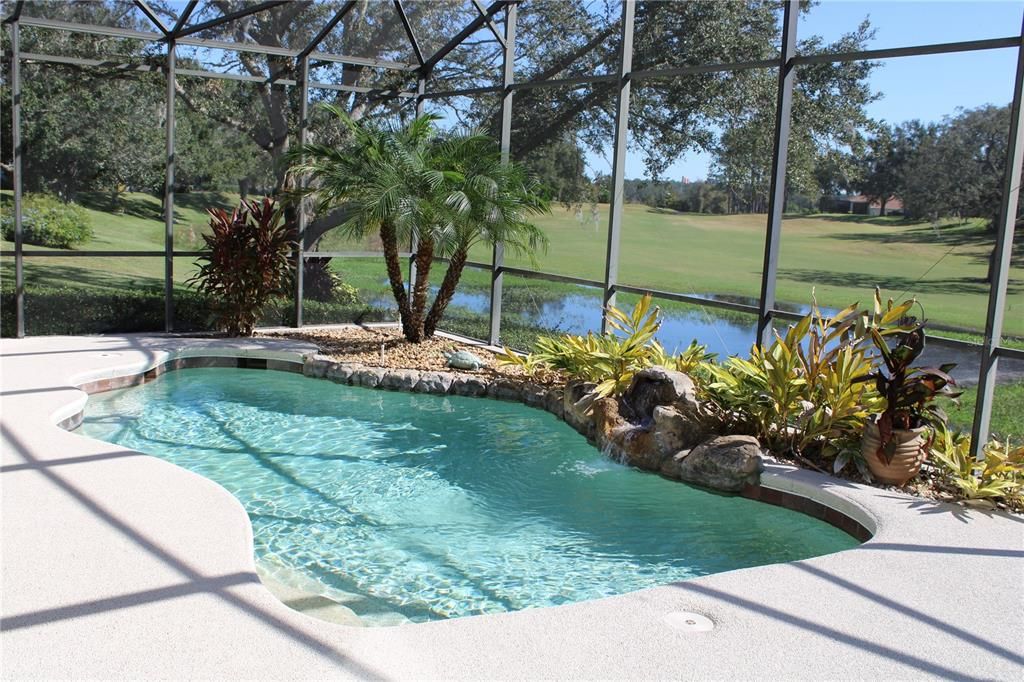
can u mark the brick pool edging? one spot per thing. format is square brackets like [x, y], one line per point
[810, 500]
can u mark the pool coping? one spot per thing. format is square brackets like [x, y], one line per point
[76, 488]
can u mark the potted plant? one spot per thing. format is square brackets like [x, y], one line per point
[896, 441]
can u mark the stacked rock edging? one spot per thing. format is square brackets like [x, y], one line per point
[657, 425]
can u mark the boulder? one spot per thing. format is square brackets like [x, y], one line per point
[676, 430]
[316, 366]
[608, 423]
[370, 377]
[553, 402]
[437, 383]
[469, 385]
[727, 463]
[657, 386]
[639, 449]
[609, 428]
[341, 372]
[400, 379]
[577, 400]
[533, 394]
[505, 389]
[622, 441]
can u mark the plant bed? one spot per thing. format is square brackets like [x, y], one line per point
[386, 347]
[590, 410]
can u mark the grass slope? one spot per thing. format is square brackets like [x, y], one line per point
[840, 258]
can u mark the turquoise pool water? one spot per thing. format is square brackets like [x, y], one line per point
[423, 507]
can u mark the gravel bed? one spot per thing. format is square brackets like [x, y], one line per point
[386, 347]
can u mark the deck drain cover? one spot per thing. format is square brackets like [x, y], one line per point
[689, 622]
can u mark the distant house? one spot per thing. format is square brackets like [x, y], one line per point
[859, 204]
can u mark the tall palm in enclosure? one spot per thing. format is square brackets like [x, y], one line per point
[405, 181]
[496, 200]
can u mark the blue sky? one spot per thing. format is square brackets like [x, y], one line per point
[926, 88]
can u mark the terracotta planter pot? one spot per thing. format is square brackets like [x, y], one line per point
[906, 461]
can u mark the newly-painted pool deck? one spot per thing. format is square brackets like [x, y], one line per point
[120, 565]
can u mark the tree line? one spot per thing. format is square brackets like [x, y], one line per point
[101, 130]
[950, 168]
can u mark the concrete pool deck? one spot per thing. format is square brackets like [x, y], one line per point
[121, 565]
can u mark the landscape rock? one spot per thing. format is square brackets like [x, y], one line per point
[727, 463]
[316, 366]
[639, 449]
[341, 372]
[609, 428]
[370, 377]
[656, 425]
[622, 441]
[533, 394]
[577, 400]
[468, 385]
[553, 402]
[608, 423]
[400, 379]
[505, 389]
[657, 386]
[437, 383]
[675, 430]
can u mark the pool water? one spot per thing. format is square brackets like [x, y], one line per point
[419, 507]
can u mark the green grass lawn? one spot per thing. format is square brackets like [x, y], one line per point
[1007, 411]
[840, 258]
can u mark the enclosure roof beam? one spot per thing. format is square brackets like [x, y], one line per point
[285, 52]
[246, 78]
[408, 31]
[152, 16]
[93, 63]
[16, 13]
[705, 68]
[362, 61]
[327, 28]
[490, 24]
[915, 51]
[463, 92]
[469, 30]
[184, 17]
[213, 44]
[93, 29]
[646, 74]
[230, 16]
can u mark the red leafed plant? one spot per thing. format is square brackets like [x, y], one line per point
[249, 262]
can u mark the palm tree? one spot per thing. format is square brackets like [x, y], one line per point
[405, 181]
[496, 199]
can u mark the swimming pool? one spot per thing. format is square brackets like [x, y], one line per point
[420, 507]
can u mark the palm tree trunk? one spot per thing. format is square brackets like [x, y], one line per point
[447, 291]
[394, 265]
[420, 288]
